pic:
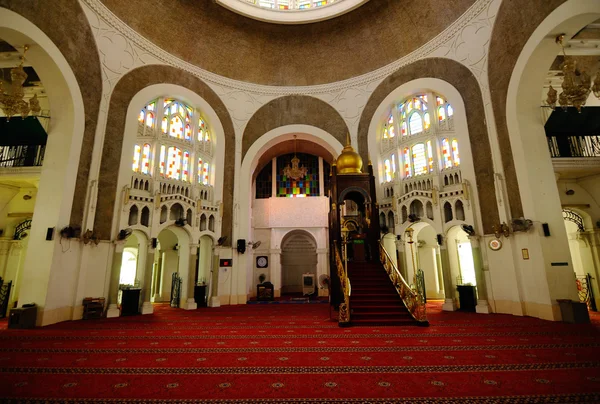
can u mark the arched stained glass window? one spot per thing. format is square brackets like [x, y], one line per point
[150, 120]
[393, 159]
[430, 156]
[403, 128]
[450, 110]
[407, 166]
[200, 171]
[441, 113]
[188, 131]
[206, 173]
[164, 125]
[439, 101]
[177, 120]
[419, 159]
[146, 159]
[174, 163]
[201, 130]
[390, 127]
[455, 156]
[162, 160]
[446, 157]
[137, 150]
[176, 127]
[427, 121]
[142, 116]
[185, 172]
[416, 124]
[388, 170]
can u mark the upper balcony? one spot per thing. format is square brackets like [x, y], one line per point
[22, 146]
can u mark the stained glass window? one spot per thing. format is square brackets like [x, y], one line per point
[185, 172]
[176, 127]
[446, 158]
[201, 129]
[385, 133]
[427, 120]
[188, 131]
[302, 187]
[393, 159]
[264, 182]
[174, 163]
[142, 116]
[162, 160]
[146, 159]
[407, 166]
[430, 156]
[441, 113]
[450, 110]
[206, 173]
[391, 127]
[455, 156]
[439, 101]
[200, 171]
[419, 159]
[388, 170]
[177, 121]
[404, 128]
[164, 125]
[416, 124]
[137, 150]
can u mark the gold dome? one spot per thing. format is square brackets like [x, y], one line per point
[349, 162]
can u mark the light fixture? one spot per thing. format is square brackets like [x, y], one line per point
[576, 85]
[295, 172]
[11, 101]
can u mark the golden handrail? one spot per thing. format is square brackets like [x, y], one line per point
[344, 316]
[412, 299]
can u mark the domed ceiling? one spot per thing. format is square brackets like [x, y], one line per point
[216, 39]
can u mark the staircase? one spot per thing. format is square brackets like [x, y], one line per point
[374, 300]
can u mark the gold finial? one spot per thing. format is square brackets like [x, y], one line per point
[349, 162]
[348, 140]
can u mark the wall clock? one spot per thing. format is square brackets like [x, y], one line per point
[495, 244]
[262, 262]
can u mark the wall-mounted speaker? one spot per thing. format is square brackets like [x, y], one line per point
[154, 242]
[50, 233]
[546, 229]
[440, 239]
[241, 246]
[398, 237]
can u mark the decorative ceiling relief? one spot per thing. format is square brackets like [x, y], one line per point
[122, 49]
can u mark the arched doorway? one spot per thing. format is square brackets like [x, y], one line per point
[460, 252]
[171, 257]
[298, 257]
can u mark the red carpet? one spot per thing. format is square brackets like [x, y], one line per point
[293, 353]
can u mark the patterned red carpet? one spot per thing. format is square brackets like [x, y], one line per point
[294, 354]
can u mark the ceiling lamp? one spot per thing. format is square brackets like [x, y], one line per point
[295, 172]
[11, 100]
[576, 85]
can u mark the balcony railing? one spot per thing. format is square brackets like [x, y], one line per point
[22, 155]
[574, 146]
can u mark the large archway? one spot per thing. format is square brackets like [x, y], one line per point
[298, 257]
[57, 182]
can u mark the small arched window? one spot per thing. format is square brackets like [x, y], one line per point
[407, 165]
[206, 174]
[137, 151]
[388, 170]
[455, 155]
[390, 127]
[185, 172]
[145, 167]
[416, 124]
[430, 156]
[200, 171]
[447, 212]
[393, 161]
[174, 163]
[177, 121]
[419, 159]
[446, 157]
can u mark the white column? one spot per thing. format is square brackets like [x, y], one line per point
[275, 273]
[190, 303]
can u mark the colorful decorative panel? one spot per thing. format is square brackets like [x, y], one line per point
[416, 124]
[419, 159]
[407, 166]
[302, 187]
[200, 171]
[185, 172]
[162, 160]
[146, 159]
[387, 167]
[446, 158]
[455, 156]
[136, 158]
[206, 174]
[174, 163]
[264, 182]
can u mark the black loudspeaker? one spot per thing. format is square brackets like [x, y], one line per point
[50, 233]
[546, 229]
[241, 246]
[398, 237]
[154, 242]
[440, 239]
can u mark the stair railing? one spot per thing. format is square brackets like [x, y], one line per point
[412, 299]
[344, 313]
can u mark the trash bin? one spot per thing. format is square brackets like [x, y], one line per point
[573, 312]
[23, 317]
